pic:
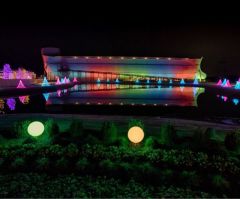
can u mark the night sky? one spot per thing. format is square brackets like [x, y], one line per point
[214, 37]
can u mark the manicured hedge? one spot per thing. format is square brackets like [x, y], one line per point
[34, 185]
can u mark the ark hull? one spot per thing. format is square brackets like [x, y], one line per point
[119, 67]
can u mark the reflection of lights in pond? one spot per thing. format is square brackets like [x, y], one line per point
[11, 102]
[35, 128]
[135, 134]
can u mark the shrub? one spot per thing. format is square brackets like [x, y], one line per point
[232, 140]
[220, 183]
[51, 128]
[134, 122]
[62, 164]
[109, 132]
[20, 128]
[18, 163]
[167, 135]
[108, 166]
[42, 164]
[150, 142]
[71, 150]
[82, 164]
[76, 129]
[189, 178]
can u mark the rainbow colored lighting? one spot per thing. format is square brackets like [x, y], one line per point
[20, 84]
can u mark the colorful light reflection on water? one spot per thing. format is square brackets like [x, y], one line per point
[127, 94]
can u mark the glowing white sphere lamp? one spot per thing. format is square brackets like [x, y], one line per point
[35, 128]
[135, 134]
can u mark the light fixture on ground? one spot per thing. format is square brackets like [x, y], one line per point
[35, 128]
[135, 134]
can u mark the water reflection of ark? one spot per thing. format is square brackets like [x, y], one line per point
[117, 94]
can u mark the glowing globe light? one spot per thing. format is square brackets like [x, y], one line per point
[135, 134]
[35, 128]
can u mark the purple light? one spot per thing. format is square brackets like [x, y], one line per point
[46, 96]
[11, 102]
[7, 71]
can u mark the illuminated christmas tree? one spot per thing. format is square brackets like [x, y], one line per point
[7, 71]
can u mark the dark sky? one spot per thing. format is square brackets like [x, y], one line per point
[214, 37]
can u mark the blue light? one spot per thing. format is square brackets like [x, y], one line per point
[137, 81]
[224, 82]
[98, 80]
[46, 96]
[148, 81]
[235, 101]
[117, 81]
[237, 85]
[182, 81]
[170, 81]
[159, 81]
[45, 82]
[195, 82]
[108, 80]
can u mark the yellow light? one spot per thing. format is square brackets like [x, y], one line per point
[35, 128]
[135, 134]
